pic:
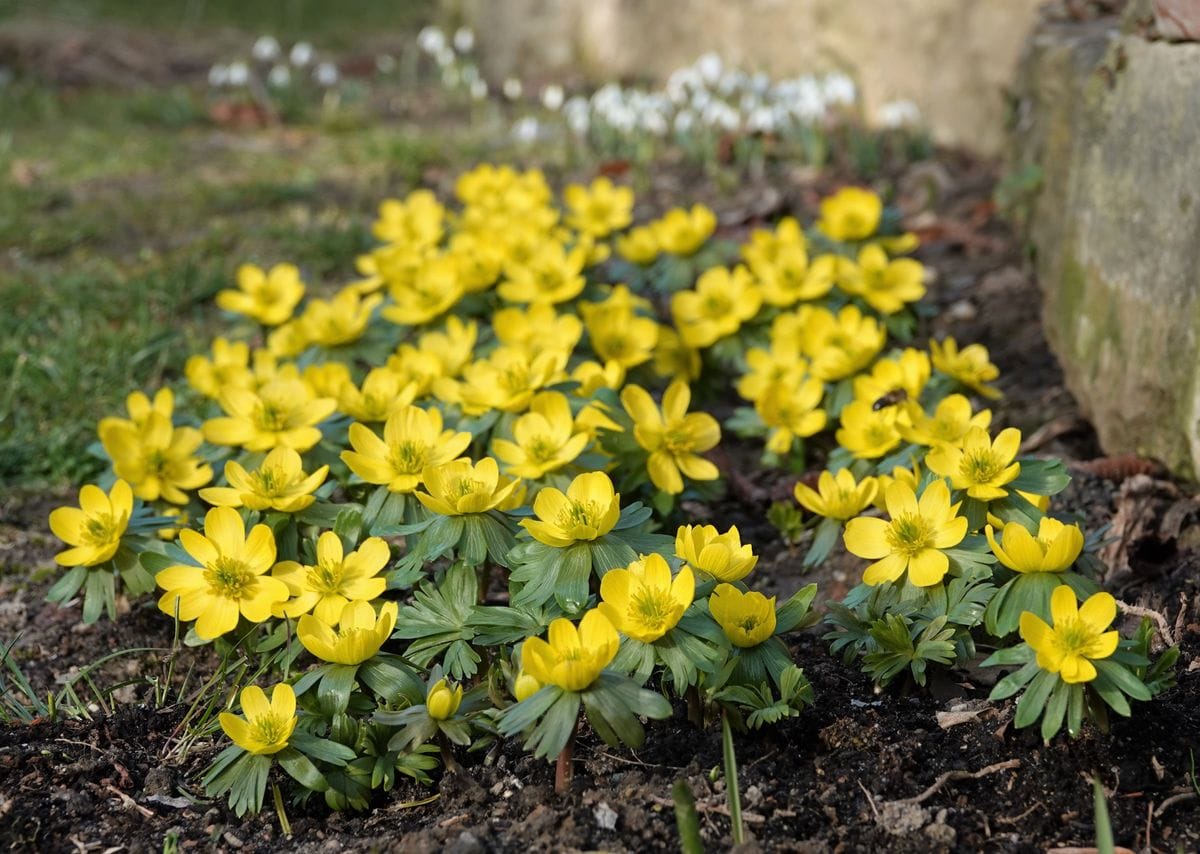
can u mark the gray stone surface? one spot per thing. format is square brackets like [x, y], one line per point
[1113, 121]
[952, 58]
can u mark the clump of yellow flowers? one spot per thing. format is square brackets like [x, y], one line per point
[433, 502]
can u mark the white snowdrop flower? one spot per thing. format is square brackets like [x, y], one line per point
[685, 120]
[301, 54]
[655, 123]
[451, 77]
[525, 130]
[709, 67]
[479, 89]
[444, 57]
[464, 39]
[578, 115]
[385, 63]
[761, 119]
[266, 49]
[701, 99]
[431, 40]
[239, 74]
[469, 74]
[730, 82]
[279, 77]
[552, 97]
[218, 76]
[896, 114]
[760, 83]
[512, 88]
[839, 89]
[326, 74]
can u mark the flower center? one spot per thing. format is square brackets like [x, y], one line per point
[748, 623]
[542, 449]
[717, 305]
[271, 482]
[269, 728]
[229, 577]
[466, 486]
[408, 457]
[910, 534]
[981, 466]
[677, 439]
[579, 513]
[100, 529]
[651, 608]
[1074, 636]
[325, 577]
[271, 416]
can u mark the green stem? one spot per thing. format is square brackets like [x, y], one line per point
[733, 795]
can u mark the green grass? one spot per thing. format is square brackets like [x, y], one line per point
[117, 226]
[330, 24]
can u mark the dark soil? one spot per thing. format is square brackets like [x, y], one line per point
[862, 770]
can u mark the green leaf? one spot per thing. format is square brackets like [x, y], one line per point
[1041, 477]
[99, 594]
[572, 586]
[1056, 709]
[391, 679]
[1123, 678]
[520, 716]
[1028, 591]
[68, 585]
[321, 749]
[333, 691]
[551, 734]
[824, 539]
[1033, 701]
[300, 768]
[1075, 710]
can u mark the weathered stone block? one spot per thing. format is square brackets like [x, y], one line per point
[1113, 121]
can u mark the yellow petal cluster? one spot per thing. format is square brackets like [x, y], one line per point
[267, 726]
[708, 551]
[94, 528]
[747, 619]
[571, 658]
[643, 601]
[1079, 634]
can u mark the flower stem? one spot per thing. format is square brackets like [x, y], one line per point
[563, 771]
[733, 794]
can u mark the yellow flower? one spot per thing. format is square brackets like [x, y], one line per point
[573, 657]
[980, 466]
[851, 213]
[619, 335]
[442, 701]
[412, 439]
[280, 414]
[912, 540]
[288, 340]
[268, 297]
[790, 279]
[911, 477]
[461, 487]
[383, 394]
[599, 209]
[791, 412]
[1078, 636]
[781, 365]
[674, 437]
[336, 580]
[156, 459]
[545, 438]
[747, 619]
[593, 376]
[639, 246]
[341, 320]
[887, 286]
[837, 496]
[266, 727]
[716, 308]
[551, 275]
[360, 635]
[970, 365]
[454, 345]
[765, 248]
[139, 407]
[433, 290]
[948, 424]
[480, 259]
[866, 432]
[682, 232]
[589, 510]
[537, 329]
[908, 373]
[525, 685]
[674, 359]
[229, 366]
[326, 379]
[279, 483]
[717, 555]
[230, 580]
[841, 345]
[415, 222]
[1054, 549]
[508, 379]
[95, 527]
[642, 600]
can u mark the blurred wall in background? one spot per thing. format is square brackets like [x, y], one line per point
[952, 58]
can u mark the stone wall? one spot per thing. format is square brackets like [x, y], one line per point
[952, 58]
[1113, 122]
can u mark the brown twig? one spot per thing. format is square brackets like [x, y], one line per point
[718, 809]
[951, 776]
[1171, 801]
[1159, 619]
[1006, 819]
[870, 799]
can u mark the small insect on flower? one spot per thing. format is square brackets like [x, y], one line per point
[895, 397]
[267, 726]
